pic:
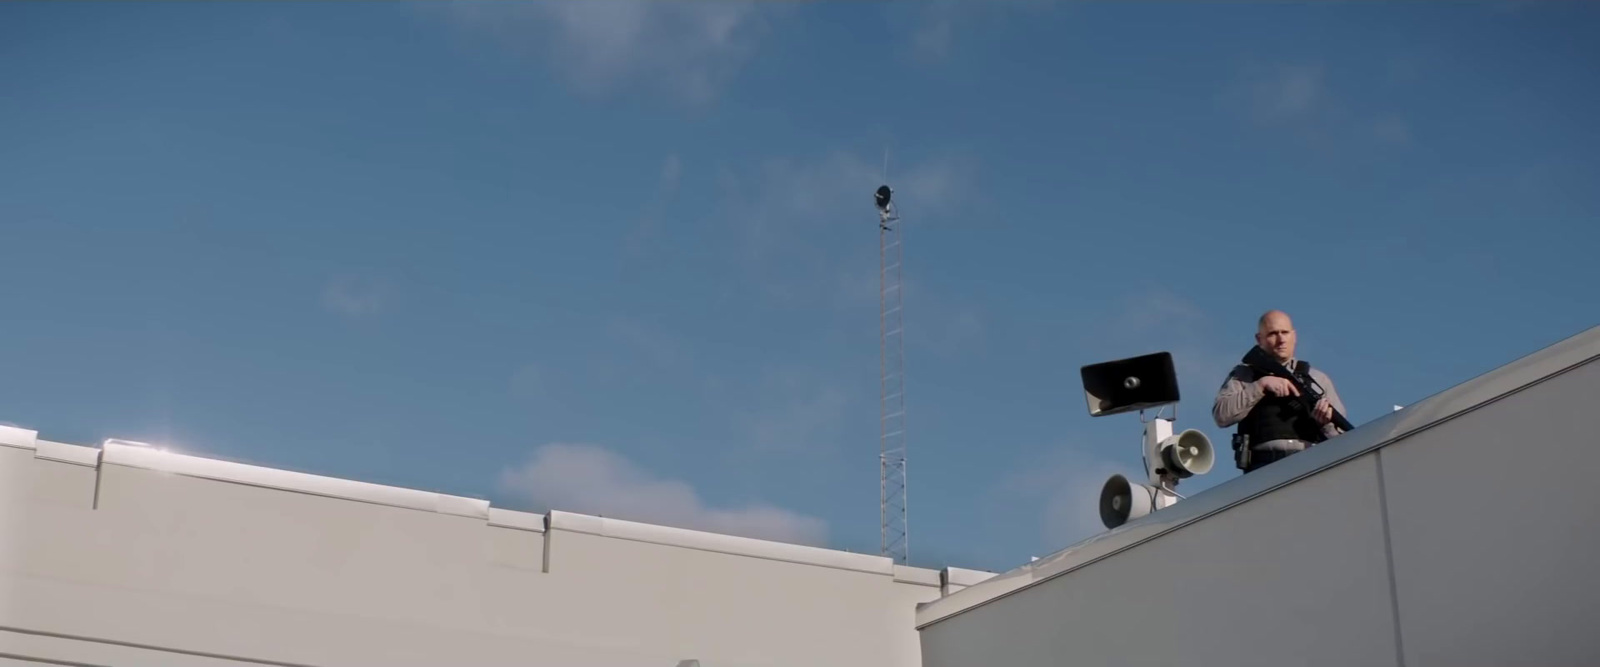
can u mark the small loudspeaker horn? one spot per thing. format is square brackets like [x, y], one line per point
[1125, 385]
[1121, 500]
[1187, 454]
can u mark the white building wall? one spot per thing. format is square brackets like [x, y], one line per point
[138, 557]
[1459, 532]
[1495, 519]
[1288, 579]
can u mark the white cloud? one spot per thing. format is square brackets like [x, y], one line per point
[353, 297]
[591, 479]
[688, 50]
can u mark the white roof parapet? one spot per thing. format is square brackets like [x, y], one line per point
[12, 436]
[907, 574]
[728, 544]
[65, 453]
[1572, 352]
[957, 576]
[135, 456]
[515, 519]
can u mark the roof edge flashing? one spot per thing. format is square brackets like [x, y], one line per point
[65, 453]
[921, 576]
[136, 456]
[959, 576]
[21, 438]
[501, 518]
[720, 543]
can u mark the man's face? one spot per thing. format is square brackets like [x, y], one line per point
[1277, 336]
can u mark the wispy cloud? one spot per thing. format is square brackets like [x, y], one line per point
[942, 325]
[639, 349]
[932, 28]
[804, 233]
[841, 181]
[935, 30]
[655, 212]
[1066, 487]
[1155, 310]
[1392, 129]
[785, 201]
[591, 479]
[1065, 482]
[528, 383]
[1280, 93]
[803, 412]
[353, 297]
[1300, 98]
[1286, 92]
[656, 347]
[1156, 319]
[687, 50]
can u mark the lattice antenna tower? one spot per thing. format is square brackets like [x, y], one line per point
[892, 419]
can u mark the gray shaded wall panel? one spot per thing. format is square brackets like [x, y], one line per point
[516, 549]
[1495, 530]
[64, 484]
[1214, 592]
[25, 478]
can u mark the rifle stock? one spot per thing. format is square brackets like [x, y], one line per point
[1258, 359]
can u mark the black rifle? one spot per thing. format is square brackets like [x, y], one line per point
[1310, 391]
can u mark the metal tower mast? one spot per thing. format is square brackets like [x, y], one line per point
[892, 420]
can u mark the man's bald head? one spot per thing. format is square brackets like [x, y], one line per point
[1275, 334]
[1272, 316]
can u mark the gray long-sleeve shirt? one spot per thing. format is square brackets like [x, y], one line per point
[1239, 394]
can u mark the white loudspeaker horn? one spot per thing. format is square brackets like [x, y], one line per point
[1121, 501]
[1187, 454]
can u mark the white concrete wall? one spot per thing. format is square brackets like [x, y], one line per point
[139, 557]
[1457, 536]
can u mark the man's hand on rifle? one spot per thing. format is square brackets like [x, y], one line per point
[1278, 386]
[1323, 413]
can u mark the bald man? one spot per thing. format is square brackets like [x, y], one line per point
[1272, 423]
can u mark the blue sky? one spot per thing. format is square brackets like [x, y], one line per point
[621, 258]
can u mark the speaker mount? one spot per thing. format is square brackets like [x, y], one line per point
[1139, 384]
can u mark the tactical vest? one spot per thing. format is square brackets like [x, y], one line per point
[1280, 417]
